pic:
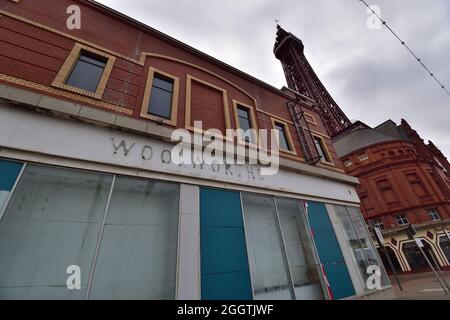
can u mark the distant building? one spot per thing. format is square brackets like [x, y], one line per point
[403, 181]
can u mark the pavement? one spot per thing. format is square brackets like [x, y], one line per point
[420, 286]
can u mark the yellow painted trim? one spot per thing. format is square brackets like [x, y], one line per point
[331, 162]
[69, 64]
[226, 111]
[254, 124]
[290, 142]
[63, 93]
[147, 94]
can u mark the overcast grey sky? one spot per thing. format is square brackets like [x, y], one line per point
[369, 74]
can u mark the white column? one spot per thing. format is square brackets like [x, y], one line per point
[188, 282]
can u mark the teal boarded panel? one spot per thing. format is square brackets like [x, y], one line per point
[330, 253]
[9, 171]
[225, 272]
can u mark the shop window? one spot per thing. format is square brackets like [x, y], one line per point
[360, 242]
[281, 254]
[138, 253]
[401, 220]
[56, 218]
[434, 214]
[85, 71]
[160, 102]
[285, 142]
[322, 149]
[266, 258]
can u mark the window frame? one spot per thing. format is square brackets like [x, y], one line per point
[70, 63]
[434, 214]
[402, 218]
[324, 149]
[253, 122]
[148, 93]
[287, 133]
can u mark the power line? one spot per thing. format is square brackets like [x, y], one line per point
[407, 48]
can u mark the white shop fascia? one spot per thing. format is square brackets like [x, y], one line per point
[28, 135]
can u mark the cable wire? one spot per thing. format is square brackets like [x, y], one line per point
[407, 48]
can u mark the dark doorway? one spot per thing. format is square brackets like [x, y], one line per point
[416, 260]
[394, 260]
[444, 242]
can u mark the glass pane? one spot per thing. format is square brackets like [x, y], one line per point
[138, 252]
[243, 113]
[367, 242]
[267, 267]
[283, 140]
[160, 103]
[320, 149]
[85, 76]
[354, 241]
[360, 242]
[162, 83]
[300, 250]
[52, 222]
[93, 60]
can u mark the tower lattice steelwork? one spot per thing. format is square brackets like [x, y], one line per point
[301, 77]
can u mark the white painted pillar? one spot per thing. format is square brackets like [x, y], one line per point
[188, 280]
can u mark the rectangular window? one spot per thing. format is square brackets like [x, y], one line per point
[281, 253]
[138, 253]
[377, 224]
[401, 220]
[87, 72]
[160, 104]
[360, 242]
[363, 157]
[320, 146]
[58, 217]
[434, 214]
[267, 262]
[348, 163]
[284, 144]
[245, 123]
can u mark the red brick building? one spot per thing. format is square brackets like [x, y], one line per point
[403, 181]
